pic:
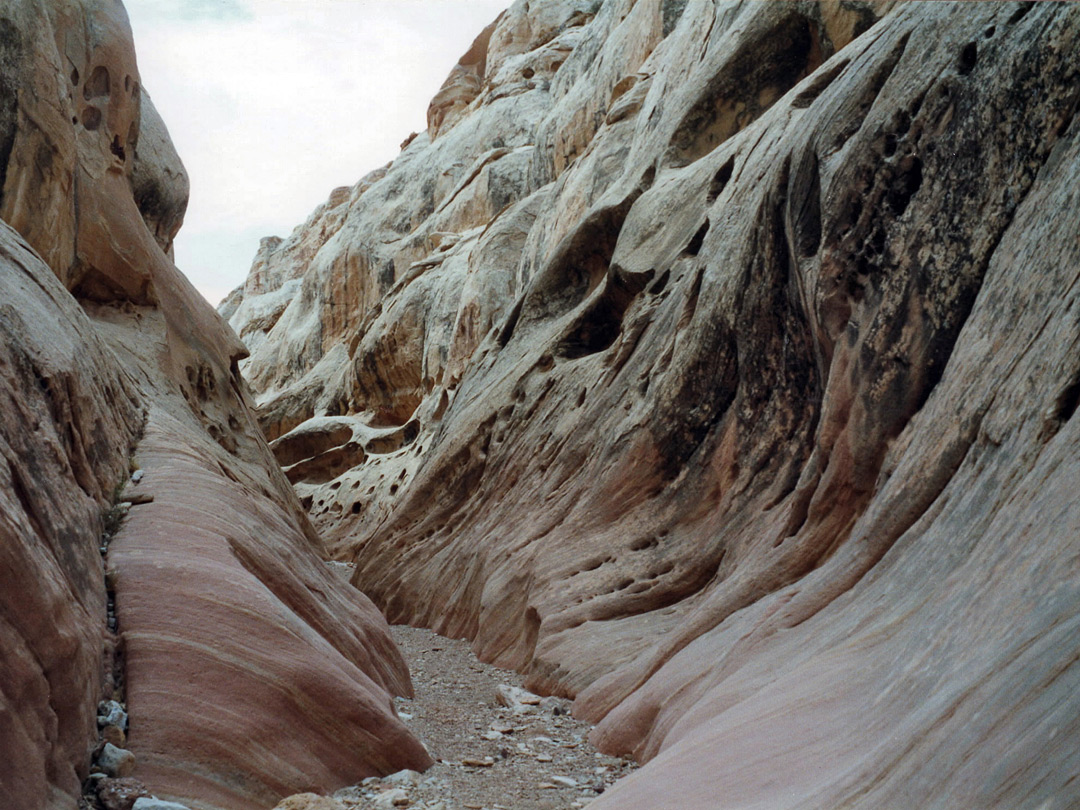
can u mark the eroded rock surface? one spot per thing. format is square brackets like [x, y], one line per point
[249, 673]
[727, 358]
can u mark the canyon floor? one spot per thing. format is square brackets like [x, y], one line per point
[526, 756]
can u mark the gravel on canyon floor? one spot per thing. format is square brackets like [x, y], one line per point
[496, 746]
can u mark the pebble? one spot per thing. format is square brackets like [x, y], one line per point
[391, 798]
[115, 762]
[114, 735]
[157, 804]
[111, 713]
[565, 781]
[404, 778]
[137, 476]
[518, 700]
[120, 794]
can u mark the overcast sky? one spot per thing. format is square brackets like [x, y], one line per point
[274, 103]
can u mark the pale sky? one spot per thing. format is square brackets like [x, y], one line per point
[272, 104]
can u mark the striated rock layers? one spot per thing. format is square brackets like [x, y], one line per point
[248, 672]
[717, 365]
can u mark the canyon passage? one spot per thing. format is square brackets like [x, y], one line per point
[713, 366]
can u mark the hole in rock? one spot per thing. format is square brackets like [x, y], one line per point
[97, 85]
[693, 248]
[902, 122]
[528, 73]
[1020, 13]
[1067, 402]
[75, 76]
[598, 327]
[117, 148]
[720, 179]
[356, 508]
[905, 185]
[968, 57]
[289, 450]
[91, 118]
[644, 543]
[818, 86]
[763, 68]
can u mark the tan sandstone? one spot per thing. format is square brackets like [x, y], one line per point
[249, 672]
[716, 365]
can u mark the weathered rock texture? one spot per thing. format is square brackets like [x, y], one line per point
[717, 364]
[249, 672]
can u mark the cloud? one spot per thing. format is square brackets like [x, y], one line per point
[214, 10]
[273, 103]
[189, 11]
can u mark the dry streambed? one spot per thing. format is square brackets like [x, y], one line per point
[497, 747]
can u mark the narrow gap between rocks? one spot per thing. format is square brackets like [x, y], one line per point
[496, 746]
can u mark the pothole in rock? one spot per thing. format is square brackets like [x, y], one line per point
[496, 746]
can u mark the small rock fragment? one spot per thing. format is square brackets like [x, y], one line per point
[120, 794]
[111, 713]
[518, 700]
[469, 762]
[405, 777]
[157, 804]
[391, 798]
[309, 801]
[565, 781]
[115, 762]
[114, 735]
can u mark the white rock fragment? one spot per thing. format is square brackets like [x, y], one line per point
[111, 713]
[403, 778]
[518, 700]
[145, 803]
[115, 762]
[390, 799]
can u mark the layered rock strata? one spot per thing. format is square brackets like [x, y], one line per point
[249, 671]
[717, 364]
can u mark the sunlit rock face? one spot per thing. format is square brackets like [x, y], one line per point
[249, 672]
[717, 365]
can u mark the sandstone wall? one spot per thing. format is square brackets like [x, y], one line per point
[716, 364]
[248, 670]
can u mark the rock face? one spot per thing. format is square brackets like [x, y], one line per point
[249, 672]
[717, 364]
